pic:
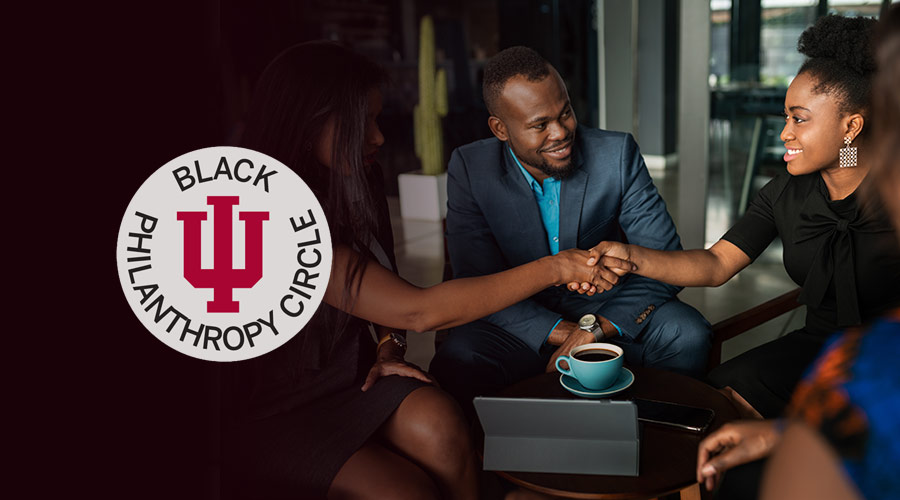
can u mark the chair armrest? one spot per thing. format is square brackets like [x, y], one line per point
[751, 318]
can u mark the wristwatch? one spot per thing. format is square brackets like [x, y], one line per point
[396, 338]
[589, 323]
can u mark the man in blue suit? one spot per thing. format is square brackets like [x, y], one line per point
[540, 185]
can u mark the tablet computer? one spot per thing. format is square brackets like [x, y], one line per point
[559, 435]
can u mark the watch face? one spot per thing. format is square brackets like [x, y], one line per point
[398, 339]
[587, 321]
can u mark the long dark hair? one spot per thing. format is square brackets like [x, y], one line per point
[300, 90]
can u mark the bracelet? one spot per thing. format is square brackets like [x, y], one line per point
[395, 338]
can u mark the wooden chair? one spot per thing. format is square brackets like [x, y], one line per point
[751, 318]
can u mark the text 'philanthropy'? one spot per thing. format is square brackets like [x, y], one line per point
[221, 265]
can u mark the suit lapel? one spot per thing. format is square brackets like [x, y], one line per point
[571, 200]
[522, 208]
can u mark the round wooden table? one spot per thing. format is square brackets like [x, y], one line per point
[668, 456]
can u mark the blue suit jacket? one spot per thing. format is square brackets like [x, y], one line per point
[493, 223]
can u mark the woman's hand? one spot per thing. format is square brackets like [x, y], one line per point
[389, 361]
[588, 271]
[734, 444]
[614, 249]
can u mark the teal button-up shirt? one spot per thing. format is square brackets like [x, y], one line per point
[547, 197]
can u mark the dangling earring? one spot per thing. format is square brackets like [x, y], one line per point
[848, 154]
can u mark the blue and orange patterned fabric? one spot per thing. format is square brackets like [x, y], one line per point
[851, 395]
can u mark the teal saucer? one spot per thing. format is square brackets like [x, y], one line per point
[624, 381]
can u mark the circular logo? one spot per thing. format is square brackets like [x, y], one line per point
[224, 254]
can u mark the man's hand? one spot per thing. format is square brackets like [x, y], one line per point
[614, 258]
[389, 361]
[587, 272]
[734, 444]
[568, 336]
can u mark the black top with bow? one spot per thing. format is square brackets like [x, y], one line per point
[847, 259]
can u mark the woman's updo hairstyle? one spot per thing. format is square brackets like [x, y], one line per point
[841, 59]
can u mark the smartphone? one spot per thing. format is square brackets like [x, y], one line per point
[681, 416]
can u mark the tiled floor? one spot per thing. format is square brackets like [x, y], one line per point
[420, 256]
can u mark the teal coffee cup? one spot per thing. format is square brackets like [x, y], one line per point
[596, 366]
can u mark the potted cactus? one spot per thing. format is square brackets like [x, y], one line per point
[423, 193]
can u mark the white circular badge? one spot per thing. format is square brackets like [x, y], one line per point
[224, 254]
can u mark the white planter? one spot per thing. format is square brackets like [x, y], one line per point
[423, 197]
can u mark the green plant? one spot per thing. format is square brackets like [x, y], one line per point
[432, 104]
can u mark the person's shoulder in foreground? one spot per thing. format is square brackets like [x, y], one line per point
[851, 396]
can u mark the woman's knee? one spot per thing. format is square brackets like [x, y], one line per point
[440, 420]
[430, 427]
[375, 472]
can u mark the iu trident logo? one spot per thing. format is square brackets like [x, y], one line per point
[223, 278]
[179, 286]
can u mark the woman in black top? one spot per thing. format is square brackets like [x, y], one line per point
[842, 253]
[331, 413]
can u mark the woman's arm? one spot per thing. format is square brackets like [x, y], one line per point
[387, 299]
[805, 466]
[712, 267]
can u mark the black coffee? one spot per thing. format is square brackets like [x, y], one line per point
[596, 355]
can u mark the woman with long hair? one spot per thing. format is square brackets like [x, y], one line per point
[840, 250]
[331, 413]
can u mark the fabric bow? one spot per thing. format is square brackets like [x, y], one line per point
[835, 255]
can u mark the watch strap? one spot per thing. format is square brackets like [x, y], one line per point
[394, 337]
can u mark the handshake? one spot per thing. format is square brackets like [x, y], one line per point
[597, 269]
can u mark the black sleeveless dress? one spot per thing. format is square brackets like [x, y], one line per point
[294, 416]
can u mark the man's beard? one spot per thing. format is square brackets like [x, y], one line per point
[558, 173]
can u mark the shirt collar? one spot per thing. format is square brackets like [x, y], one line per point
[535, 185]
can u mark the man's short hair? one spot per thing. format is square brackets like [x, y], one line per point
[507, 64]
